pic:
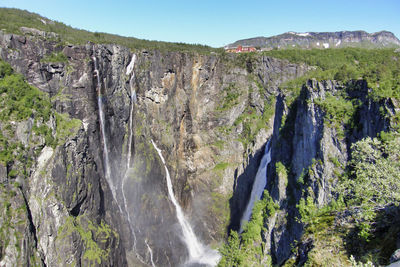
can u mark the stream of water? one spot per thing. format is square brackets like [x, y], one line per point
[198, 253]
[106, 161]
[258, 185]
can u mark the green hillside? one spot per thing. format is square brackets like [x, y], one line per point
[11, 20]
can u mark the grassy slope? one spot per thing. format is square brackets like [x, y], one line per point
[379, 67]
[12, 19]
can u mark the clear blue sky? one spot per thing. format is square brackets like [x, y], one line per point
[216, 22]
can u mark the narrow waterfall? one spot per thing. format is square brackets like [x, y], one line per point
[258, 185]
[106, 161]
[151, 253]
[193, 245]
[129, 71]
[197, 252]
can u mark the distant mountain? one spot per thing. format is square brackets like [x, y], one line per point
[322, 40]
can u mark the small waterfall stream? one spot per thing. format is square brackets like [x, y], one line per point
[151, 253]
[106, 161]
[258, 185]
[197, 252]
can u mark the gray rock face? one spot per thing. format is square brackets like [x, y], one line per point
[33, 31]
[313, 151]
[323, 40]
[200, 111]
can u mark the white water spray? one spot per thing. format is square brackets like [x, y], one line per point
[197, 252]
[258, 186]
[106, 161]
[129, 71]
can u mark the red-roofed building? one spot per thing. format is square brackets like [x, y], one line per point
[241, 49]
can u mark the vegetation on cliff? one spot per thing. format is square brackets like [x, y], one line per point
[379, 67]
[21, 102]
[361, 225]
[246, 249]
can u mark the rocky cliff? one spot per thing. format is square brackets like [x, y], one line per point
[314, 147]
[210, 114]
[322, 40]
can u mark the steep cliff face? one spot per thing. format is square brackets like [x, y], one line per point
[66, 198]
[314, 146]
[99, 194]
[210, 115]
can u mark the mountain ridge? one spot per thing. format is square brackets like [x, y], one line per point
[307, 40]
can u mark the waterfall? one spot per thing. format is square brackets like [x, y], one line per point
[133, 100]
[129, 155]
[193, 245]
[129, 71]
[151, 253]
[197, 252]
[258, 185]
[106, 161]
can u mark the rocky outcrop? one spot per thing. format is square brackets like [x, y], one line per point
[313, 146]
[322, 40]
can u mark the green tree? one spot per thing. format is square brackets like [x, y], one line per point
[375, 179]
[376, 172]
[231, 255]
[345, 73]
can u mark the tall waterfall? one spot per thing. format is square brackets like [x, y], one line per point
[129, 71]
[197, 252]
[258, 186]
[106, 161]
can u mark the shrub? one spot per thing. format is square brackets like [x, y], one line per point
[55, 58]
[5, 69]
[248, 249]
[375, 170]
